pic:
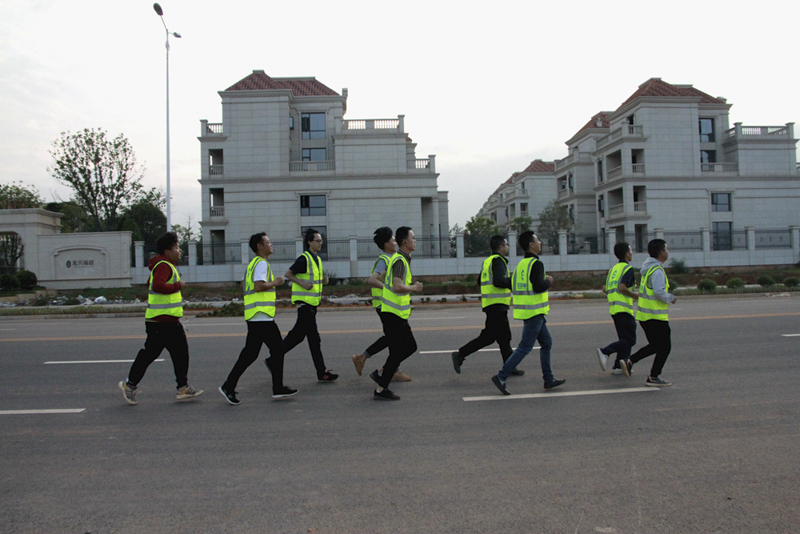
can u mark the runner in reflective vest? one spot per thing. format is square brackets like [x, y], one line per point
[526, 302]
[649, 306]
[490, 294]
[261, 301]
[160, 304]
[618, 303]
[314, 274]
[399, 305]
[377, 292]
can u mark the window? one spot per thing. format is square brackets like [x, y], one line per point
[312, 125]
[721, 236]
[311, 205]
[523, 209]
[314, 154]
[571, 182]
[291, 122]
[601, 205]
[600, 170]
[706, 130]
[572, 213]
[708, 156]
[720, 202]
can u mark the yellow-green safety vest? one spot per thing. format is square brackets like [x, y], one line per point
[618, 303]
[649, 306]
[258, 301]
[526, 302]
[490, 294]
[161, 304]
[314, 274]
[399, 305]
[377, 293]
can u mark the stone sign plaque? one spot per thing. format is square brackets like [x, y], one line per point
[81, 264]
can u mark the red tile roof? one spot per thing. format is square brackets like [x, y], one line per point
[602, 117]
[540, 166]
[259, 81]
[658, 87]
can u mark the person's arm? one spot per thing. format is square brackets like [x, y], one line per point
[626, 283]
[500, 274]
[376, 279]
[398, 279]
[539, 281]
[659, 282]
[161, 275]
[299, 267]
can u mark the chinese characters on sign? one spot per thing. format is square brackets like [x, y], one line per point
[80, 264]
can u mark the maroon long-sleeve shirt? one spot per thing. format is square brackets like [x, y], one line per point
[161, 276]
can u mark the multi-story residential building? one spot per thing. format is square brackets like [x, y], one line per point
[667, 159]
[284, 159]
[524, 194]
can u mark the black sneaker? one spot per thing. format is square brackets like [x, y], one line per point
[327, 376]
[283, 392]
[626, 366]
[500, 385]
[375, 376]
[657, 382]
[229, 396]
[386, 394]
[517, 372]
[457, 361]
[553, 384]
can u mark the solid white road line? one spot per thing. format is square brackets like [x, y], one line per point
[560, 394]
[449, 351]
[37, 412]
[790, 335]
[97, 361]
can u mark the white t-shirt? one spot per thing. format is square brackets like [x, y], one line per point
[260, 273]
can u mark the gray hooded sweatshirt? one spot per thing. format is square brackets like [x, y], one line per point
[658, 281]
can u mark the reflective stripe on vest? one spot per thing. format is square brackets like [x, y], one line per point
[399, 305]
[161, 304]
[618, 303]
[377, 293]
[526, 302]
[649, 306]
[258, 301]
[314, 274]
[490, 294]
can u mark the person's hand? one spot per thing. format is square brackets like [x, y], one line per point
[308, 285]
[181, 284]
[635, 296]
[417, 287]
[279, 281]
[674, 299]
[325, 279]
[549, 278]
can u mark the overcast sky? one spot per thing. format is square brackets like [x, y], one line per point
[487, 87]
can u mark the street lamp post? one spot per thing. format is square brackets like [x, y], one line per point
[160, 13]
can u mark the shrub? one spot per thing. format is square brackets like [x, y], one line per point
[679, 267]
[765, 281]
[27, 280]
[791, 281]
[8, 282]
[234, 309]
[735, 283]
[708, 285]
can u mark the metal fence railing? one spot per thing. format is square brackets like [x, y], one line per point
[220, 254]
[774, 238]
[685, 241]
[736, 240]
[578, 243]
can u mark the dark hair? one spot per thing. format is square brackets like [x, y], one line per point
[402, 234]
[620, 249]
[166, 242]
[382, 236]
[495, 242]
[255, 239]
[308, 237]
[655, 247]
[525, 239]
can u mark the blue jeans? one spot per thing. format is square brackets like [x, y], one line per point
[533, 330]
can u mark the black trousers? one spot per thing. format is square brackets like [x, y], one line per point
[380, 344]
[659, 342]
[626, 334]
[306, 328]
[401, 345]
[160, 336]
[258, 333]
[496, 329]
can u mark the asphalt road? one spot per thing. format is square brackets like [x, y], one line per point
[717, 452]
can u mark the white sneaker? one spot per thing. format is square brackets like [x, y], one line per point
[616, 371]
[603, 359]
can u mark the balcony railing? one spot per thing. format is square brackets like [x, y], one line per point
[616, 211]
[626, 130]
[614, 173]
[312, 166]
[563, 192]
[214, 128]
[423, 163]
[373, 124]
[216, 170]
[575, 157]
[640, 208]
[719, 167]
[638, 168]
[760, 131]
[217, 211]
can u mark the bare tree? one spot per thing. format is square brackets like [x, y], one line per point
[11, 248]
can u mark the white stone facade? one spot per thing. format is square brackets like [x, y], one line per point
[284, 159]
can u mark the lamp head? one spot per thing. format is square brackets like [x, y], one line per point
[158, 10]
[176, 34]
